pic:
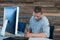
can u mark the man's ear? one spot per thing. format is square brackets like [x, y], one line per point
[33, 13]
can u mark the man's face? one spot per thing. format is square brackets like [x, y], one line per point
[37, 16]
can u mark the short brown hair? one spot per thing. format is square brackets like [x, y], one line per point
[37, 9]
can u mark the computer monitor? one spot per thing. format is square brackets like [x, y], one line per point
[10, 20]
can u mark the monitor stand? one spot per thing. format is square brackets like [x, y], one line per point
[4, 28]
[2, 34]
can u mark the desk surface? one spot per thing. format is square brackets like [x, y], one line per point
[39, 39]
[1, 38]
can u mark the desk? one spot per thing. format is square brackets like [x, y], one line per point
[39, 39]
[1, 38]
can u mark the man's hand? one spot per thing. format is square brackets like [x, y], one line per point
[28, 34]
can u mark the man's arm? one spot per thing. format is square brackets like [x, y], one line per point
[44, 34]
[27, 31]
[41, 35]
[29, 34]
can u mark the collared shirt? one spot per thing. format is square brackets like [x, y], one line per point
[40, 26]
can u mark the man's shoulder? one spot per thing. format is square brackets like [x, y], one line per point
[44, 18]
[32, 17]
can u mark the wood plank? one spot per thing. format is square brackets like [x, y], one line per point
[47, 0]
[57, 29]
[45, 4]
[49, 15]
[56, 38]
[46, 14]
[34, 0]
[23, 4]
[17, 0]
[52, 14]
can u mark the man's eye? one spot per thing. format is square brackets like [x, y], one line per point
[37, 16]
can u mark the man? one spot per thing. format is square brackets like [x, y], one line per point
[39, 25]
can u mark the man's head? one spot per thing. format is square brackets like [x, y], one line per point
[37, 13]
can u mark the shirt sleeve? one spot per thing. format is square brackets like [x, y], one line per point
[30, 23]
[46, 28]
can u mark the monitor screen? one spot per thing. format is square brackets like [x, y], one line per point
[10, 20]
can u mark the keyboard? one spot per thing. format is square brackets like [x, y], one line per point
[16, 38]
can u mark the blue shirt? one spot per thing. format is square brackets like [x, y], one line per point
[40, 26]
